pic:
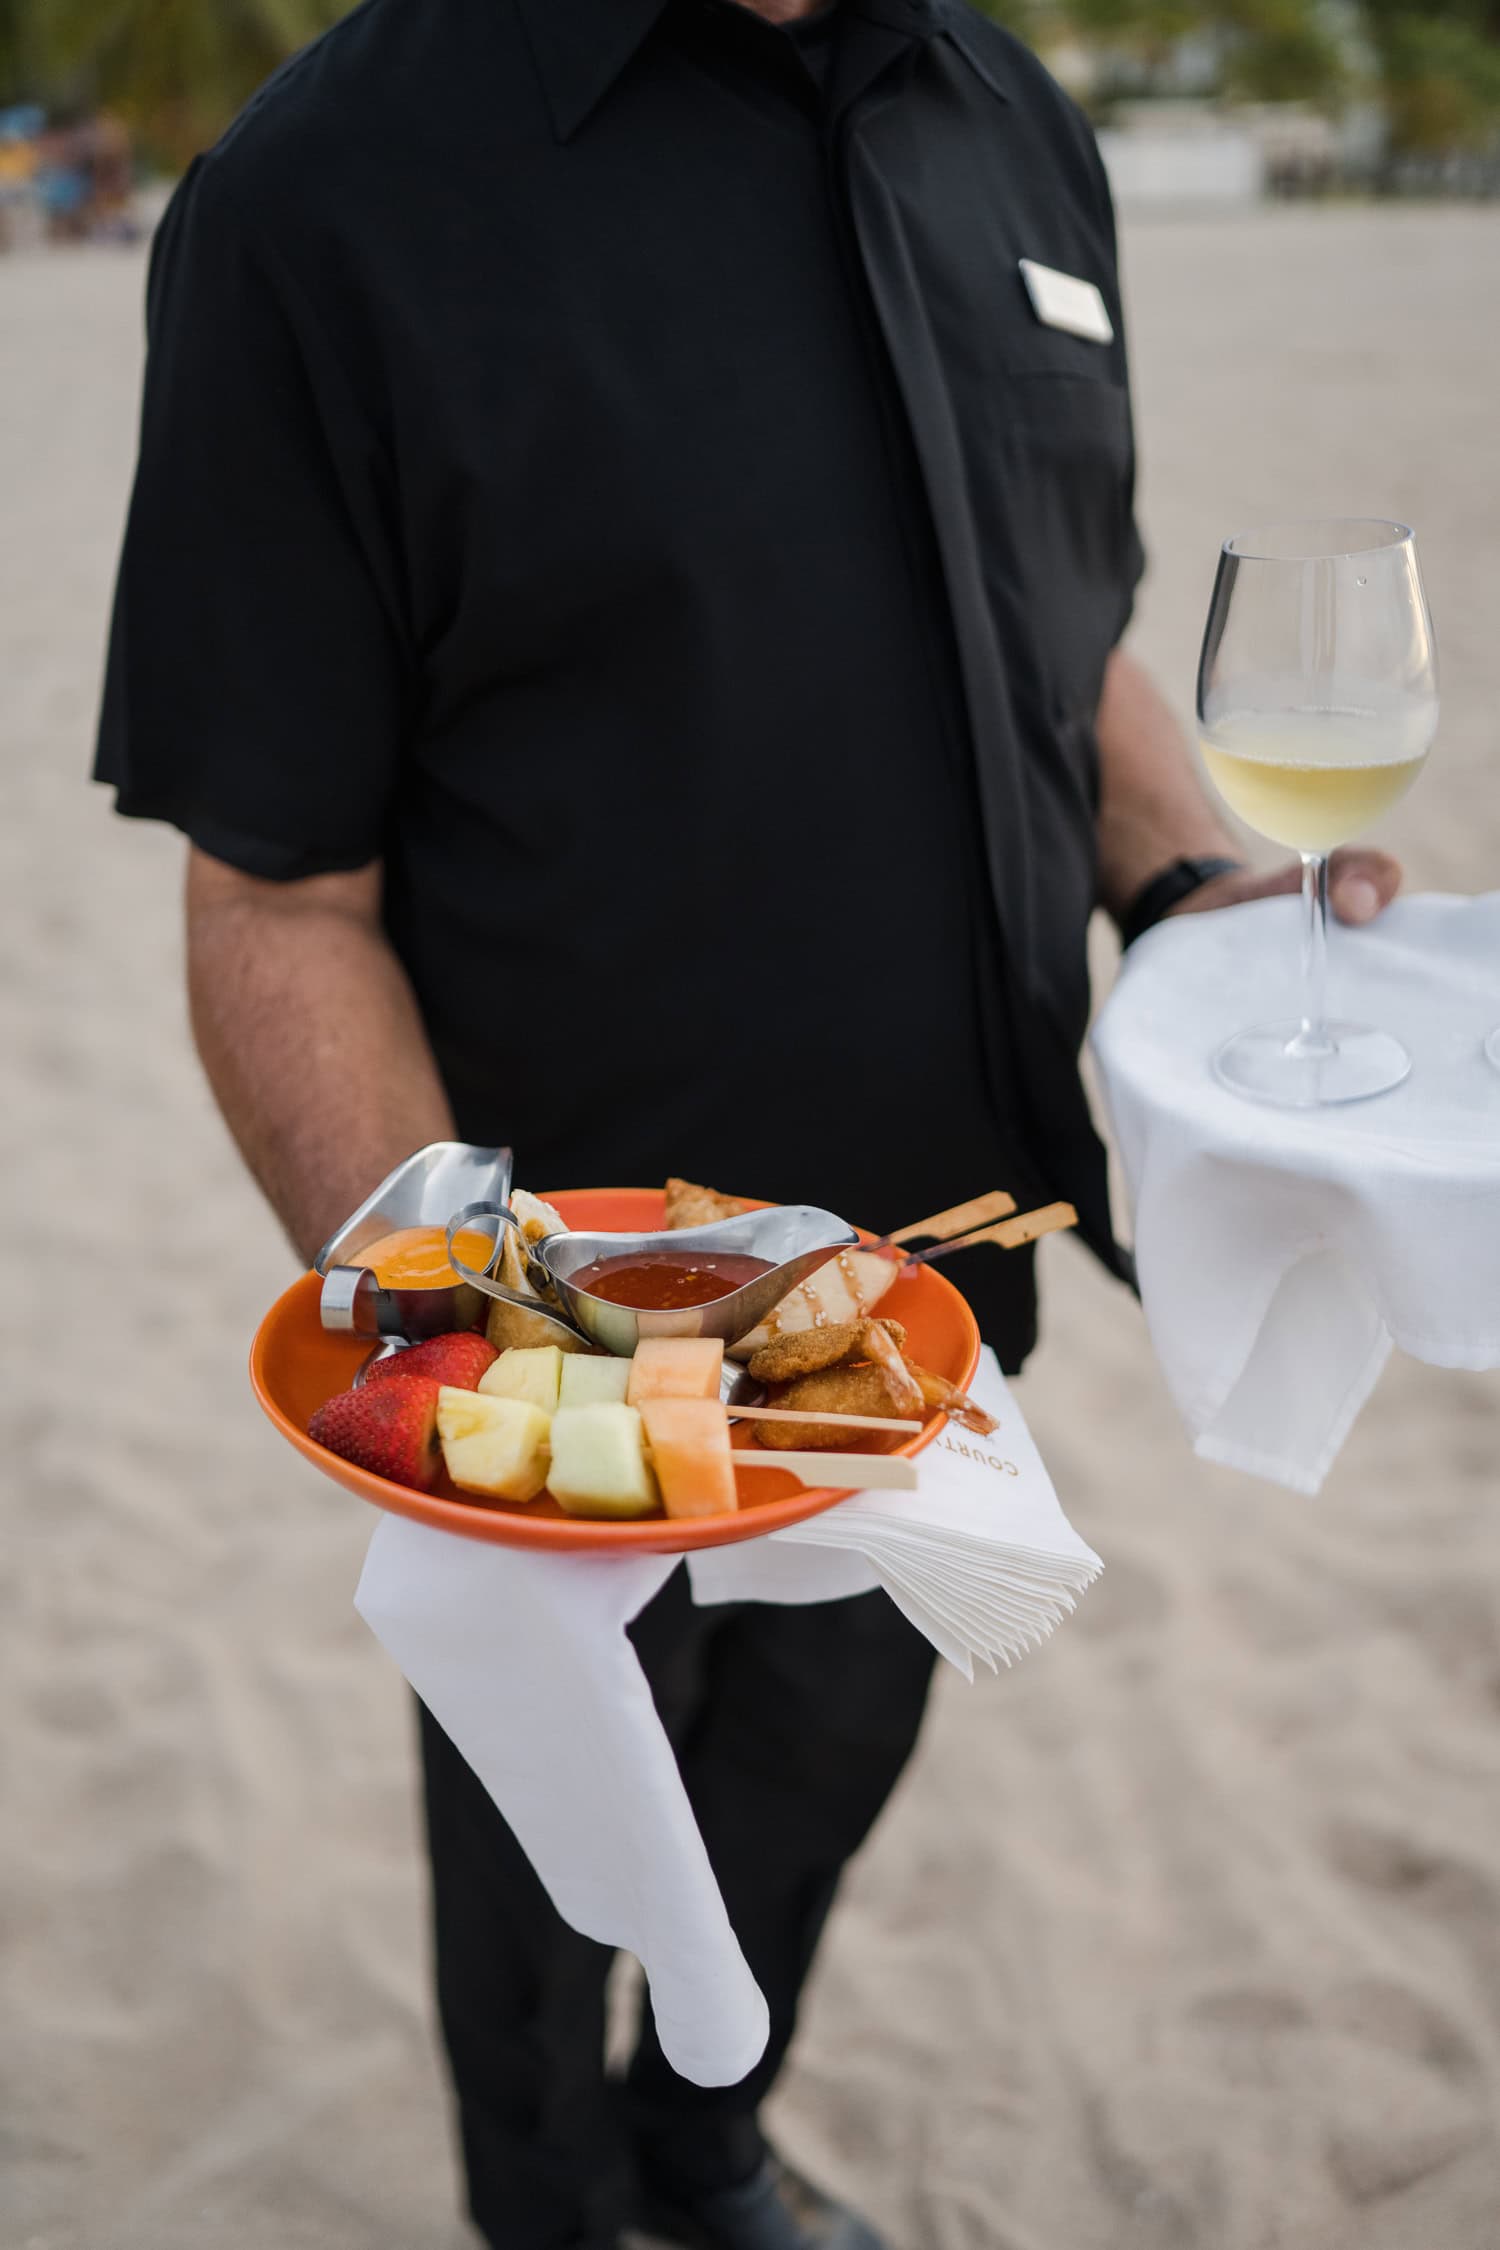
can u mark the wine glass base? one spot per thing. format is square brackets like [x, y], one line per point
[1492, 1046]
[1268, 1065]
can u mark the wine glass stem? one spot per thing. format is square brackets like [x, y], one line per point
[1313, 1037]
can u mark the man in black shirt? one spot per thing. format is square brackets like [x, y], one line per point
[622, 594]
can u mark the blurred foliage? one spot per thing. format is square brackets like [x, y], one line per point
[1285, 52]
[1442, 78]
[1433, 64]
[178, 69]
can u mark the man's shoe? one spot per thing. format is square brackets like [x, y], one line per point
[776, 2210]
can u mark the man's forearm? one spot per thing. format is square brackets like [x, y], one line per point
[310, 1036]
[1152, 806]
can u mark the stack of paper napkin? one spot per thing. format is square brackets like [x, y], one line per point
[981, 1558]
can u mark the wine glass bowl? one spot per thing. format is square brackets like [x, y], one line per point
[1317, 705]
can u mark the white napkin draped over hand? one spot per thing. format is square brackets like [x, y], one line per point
[1281, 1252]
[525, 1662]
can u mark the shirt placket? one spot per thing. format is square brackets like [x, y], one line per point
[877, 57]
[882, 43]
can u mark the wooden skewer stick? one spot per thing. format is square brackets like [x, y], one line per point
[959, 1220]
[848, 1472]
[809, 1414]
[1010, 1233]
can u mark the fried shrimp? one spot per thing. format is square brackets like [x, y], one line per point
[956, 1404]
[809, 1349]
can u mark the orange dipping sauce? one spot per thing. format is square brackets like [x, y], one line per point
[417, 1257]
[669, 1280]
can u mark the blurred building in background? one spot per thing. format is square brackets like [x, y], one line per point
[1199, 102]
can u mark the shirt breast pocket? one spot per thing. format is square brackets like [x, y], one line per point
[1057, 464]
[1066, 391]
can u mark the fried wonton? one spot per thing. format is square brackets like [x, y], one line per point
[784, 1358]
[887, 1391]
[690, 1206]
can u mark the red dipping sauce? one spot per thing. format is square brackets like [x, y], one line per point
[668, 1280]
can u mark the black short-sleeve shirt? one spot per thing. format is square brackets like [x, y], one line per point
[599, 457]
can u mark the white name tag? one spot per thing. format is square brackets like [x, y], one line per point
[1061, 300]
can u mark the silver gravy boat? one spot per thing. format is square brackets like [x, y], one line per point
[796, 1238]
[422, 1192]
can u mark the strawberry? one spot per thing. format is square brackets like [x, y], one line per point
[389, 1428]
[457, 1360]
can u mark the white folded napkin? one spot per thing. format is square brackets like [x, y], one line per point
[1280, 1252]
[524, 1661]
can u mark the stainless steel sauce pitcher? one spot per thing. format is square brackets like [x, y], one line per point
[423, 1192]
[796, 1238]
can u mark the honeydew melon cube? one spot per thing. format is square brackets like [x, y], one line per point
[593, 1382]
[494, 1446]
[531, 1372]
[691, 1454]
[676, 1367]
[599, 1462]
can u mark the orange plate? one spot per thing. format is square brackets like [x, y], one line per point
[295, 1364]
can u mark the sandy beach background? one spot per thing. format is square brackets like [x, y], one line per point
[1184, 1936]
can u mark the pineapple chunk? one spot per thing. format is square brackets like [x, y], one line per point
[676, 1367]
[532, 1373]
[594, 1382]
[494, 1446]
[691, 1454]
[599, 1463]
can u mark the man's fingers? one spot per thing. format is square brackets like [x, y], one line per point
[1361, 883]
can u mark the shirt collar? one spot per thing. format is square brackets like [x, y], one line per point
[961, 26]
[580, 47]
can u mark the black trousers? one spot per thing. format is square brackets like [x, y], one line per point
[791, 1727]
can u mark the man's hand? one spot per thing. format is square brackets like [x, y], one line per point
[1361, 884]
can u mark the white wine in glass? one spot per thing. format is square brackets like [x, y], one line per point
[1317, 704]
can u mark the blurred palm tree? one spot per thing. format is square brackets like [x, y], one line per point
[176, 70]
[1436, 62]
[1284, 51]
[17, 39]
[1270, 50]
[1441, 67]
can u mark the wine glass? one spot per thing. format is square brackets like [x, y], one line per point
[1317, 704]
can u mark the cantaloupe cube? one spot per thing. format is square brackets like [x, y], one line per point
[495, 1446]
[532, 1372]
[593, 1382]
[676, 1367]
[691, 1454]
[599, 1463]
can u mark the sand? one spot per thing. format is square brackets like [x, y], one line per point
[1183, 1936]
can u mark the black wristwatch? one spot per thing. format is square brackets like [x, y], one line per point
[1169, 889]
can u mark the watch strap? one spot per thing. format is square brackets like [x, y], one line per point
[1168, 889]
